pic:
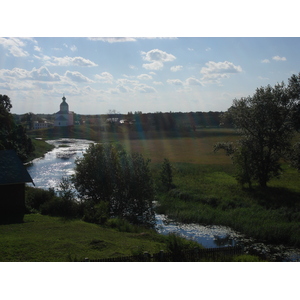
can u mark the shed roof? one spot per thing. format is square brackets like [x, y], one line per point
[12, 170]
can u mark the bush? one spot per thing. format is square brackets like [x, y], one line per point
[35, 197]
[59, 207]
[177, 246]
[122, 225]
[98, 213]
[166, 175]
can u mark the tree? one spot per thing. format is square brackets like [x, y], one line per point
[266, 122]
[13, 136]
[107, 174]
[166, 175]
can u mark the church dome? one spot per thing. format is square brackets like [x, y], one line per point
[64, 106]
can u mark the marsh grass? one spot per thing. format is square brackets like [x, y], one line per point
[209, 194]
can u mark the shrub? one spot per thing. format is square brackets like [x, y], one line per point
[98, 213]
[166, 175]
[59, 207]
[122, 225]
[35, 197]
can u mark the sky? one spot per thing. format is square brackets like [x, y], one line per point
[140, 70]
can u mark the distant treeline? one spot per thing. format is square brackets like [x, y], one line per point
[137, 120]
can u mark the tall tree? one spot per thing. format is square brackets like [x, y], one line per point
[266, 122]
[13, 136]
[107, 174]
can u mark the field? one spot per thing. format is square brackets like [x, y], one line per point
[205, 188]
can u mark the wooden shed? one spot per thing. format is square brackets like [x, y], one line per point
[13, 176]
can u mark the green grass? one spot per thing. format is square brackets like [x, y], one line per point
[43, 238]
[206, 190]
[209, 194]
[41, 148]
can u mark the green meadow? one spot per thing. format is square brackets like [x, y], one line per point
[43, 238]
[205, 190]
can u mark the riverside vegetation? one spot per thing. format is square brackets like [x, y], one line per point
[195, 184]
[204, 193]
[208, 193]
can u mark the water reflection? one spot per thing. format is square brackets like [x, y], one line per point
[210, 236]
[47, 172]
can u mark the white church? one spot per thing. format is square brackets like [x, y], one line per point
[64, 117]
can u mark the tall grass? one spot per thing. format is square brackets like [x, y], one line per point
[209, 194]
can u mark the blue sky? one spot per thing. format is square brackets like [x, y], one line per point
[141, 74]
[217, 51]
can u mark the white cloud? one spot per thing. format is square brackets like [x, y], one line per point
[42, 57]
[113, 39]
[278, 58]
[158, 83]
[123, 81]
[70, 61]
[14, 46]
[265, 61]
[144, 77]
[105, 77]
[37, 48]
[124, 39]
[193, 81]
[218, 70]
[143, 88]
[156, 58]
[176, 68]
[122, 89]
[157, 65]
[157, 55]
[77, 76]
[14, 73]
[43, 74]
[73, 48]
[175, 81]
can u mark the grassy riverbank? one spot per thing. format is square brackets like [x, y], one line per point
[209, 194]
[41, 148]
[51, 239]
[206, 190]
[44, 238]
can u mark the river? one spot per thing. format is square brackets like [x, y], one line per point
[47, 172]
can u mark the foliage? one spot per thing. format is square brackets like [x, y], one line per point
[166, 175]
[47, 202]
[294, 156]
[177, 246]
[266, 122]
[13, 136]
[35, 197]
[107, 173]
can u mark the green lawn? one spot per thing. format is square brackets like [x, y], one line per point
[43, 238]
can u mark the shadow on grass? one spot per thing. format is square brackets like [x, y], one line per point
[275, 197]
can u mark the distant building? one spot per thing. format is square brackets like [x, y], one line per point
[13, 176]
[64, 117]
[40, 125]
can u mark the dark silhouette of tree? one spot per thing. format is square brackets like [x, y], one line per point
[13, 136]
